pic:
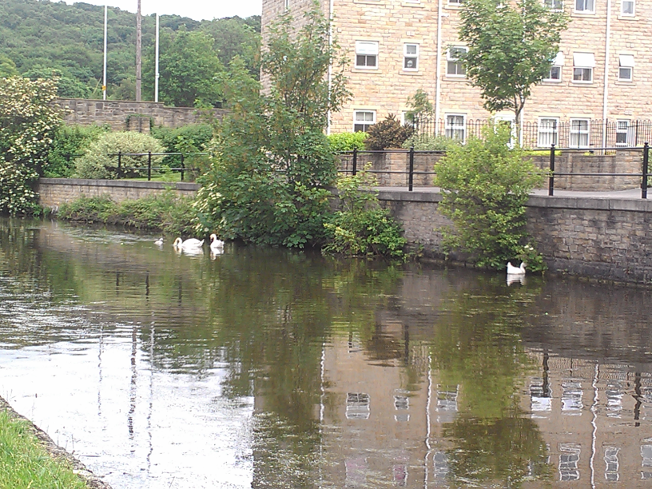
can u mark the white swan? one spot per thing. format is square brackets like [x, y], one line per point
[512, 270]
[159, 242]
[191, 244]
[216, 244]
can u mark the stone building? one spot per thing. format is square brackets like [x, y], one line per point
[597, 92]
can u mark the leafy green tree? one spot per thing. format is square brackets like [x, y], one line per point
[233, 37]
[69, 142]
[511, 47]
[7, 67]
[485, 186]
[274, 164]
[188, 67]
[28, 120]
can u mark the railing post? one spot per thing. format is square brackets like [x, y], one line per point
[551, 178]
[646, 160]
[411, 170]
[149, 166]
[182, 167]
[119, 164]
[355, 160]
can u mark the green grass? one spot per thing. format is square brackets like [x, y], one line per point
[25, 463]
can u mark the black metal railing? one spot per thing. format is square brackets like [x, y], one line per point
[124, 171]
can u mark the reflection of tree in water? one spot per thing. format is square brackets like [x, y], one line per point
[477, 346]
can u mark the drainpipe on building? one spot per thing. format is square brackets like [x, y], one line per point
[437, 71]
[330, 66]
[606, 77]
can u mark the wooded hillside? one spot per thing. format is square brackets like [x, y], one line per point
[39, 37]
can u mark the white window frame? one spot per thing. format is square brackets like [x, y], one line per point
[407, 56]
[625, 65]
[584, 63]
[456, 60]
[558, 63]
[588, 6]
[456, 3]
[554, 5]
[622, 8]
[548, 132]
[578, 132]
[623, 126]
[365, 123]
[453, 129]
[367, 49]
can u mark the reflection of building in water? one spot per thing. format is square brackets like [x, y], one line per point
[385, 418]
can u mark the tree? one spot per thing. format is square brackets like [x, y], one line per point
[28, 120]
[511, 47]
[188, 67]
[273, 162]
[236, 37]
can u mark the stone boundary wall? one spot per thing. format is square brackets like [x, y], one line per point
[391, 168]
[607, 239]
[55, 191]
[126, 115]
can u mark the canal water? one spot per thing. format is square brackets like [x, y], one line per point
[272, 369]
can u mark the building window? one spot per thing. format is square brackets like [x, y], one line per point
[579, 134]
[556, 5]
[625, 67]
[366, 54]
[357, 405]
[456, 126]
[627, 7]
[455, 2]
[555, 69]
[455, 67]
[611, 464]
[622, 132]
[586, 6]
[548, 132]
[583, 64]
[411, 57]
[569, 457]
[363, 120]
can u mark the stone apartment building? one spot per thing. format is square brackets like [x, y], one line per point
[600, 83]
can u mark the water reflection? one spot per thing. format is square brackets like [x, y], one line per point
[260, 368]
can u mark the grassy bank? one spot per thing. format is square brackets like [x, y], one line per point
[167, 212]
[25, 463]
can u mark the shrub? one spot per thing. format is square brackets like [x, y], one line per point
[28, 120]
[485, 186]
[426, 142]
[194, 138]
[98, 161]
[387, 134]
[361, 226]
[70, 142]
[347, 141]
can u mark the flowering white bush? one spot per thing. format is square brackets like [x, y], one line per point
[100, 161]
[28, 119]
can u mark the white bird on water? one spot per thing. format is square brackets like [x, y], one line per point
[191, 244]
[159, 242]
[216, 244]
[512, 270]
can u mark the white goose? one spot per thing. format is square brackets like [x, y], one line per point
[512, 270]
[216, 244]
[191, 244]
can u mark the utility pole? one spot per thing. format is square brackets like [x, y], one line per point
[104, 68]
[138, 53]
[156, 75]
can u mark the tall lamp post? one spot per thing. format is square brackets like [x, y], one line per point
[156, 68]
[104, 69]
[138, 56]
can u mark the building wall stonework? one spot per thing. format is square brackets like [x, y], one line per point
[385, 88]
[126, 115]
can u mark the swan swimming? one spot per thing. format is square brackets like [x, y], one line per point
[189, 244]
[216, 244]
[512, 270]
[159, 242]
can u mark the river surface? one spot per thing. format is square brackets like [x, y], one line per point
[272, 369]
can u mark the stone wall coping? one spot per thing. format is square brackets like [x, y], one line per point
[84, 182]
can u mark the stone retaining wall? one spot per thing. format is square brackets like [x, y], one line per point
[55, 191]
[125, 115]
[600, 238]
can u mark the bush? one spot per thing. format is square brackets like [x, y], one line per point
[426, 142]
[387, 134]
[97, 162]
[70, 142]
[485, 186]
[167, 212]
[194, 138]
[361, 226]
[347, 141]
